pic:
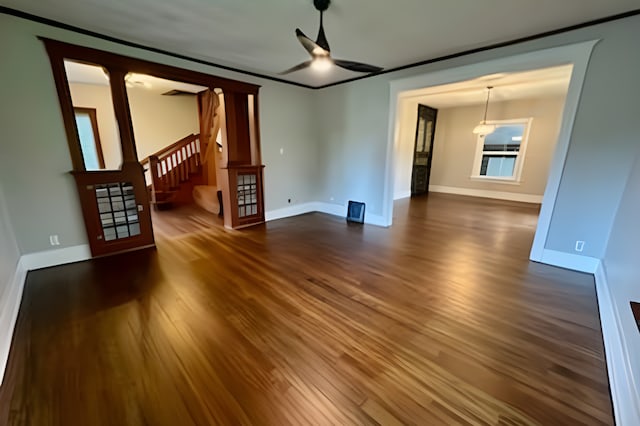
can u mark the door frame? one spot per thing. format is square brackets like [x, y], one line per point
[577, 54]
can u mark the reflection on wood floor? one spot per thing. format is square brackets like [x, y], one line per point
[182, 220]
[440, 319]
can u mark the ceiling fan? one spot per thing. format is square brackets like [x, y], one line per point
[321, 53]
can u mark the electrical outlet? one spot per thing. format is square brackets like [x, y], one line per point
[54, 240]
[579, 246]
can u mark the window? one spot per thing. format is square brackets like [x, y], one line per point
[90, 145]
[500, 155]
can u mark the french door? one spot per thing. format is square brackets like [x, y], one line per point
[423, 149]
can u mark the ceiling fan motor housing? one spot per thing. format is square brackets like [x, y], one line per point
[321, 5]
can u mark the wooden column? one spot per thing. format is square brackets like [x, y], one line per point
[123, 114]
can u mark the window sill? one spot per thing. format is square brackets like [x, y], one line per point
[506, 181]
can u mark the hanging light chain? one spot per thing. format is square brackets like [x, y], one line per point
[486, 105]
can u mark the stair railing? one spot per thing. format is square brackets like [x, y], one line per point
[173, 164]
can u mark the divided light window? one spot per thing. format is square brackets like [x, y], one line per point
[500, 155]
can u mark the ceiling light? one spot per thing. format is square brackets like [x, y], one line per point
[136, 80]
[321, 63]
[483, 128]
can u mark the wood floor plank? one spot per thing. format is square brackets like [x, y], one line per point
[440, 319]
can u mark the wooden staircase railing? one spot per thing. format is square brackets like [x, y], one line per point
[173, 165]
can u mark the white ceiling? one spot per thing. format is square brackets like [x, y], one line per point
[553, 81]
[258, 35]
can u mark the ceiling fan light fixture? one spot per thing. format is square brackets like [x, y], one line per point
[320, 51]
[321, 63]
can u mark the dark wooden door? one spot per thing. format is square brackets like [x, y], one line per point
[423, 149]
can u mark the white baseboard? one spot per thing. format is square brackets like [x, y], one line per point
[401, 194]
[332, 209]
[45, 259]
[570, 261]
[483, 193]
[289, 211]
[340, 210]
[11, 298]
[328, 208]
[624, 393]
[9, 306]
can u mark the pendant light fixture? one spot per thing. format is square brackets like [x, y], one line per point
[483, 128]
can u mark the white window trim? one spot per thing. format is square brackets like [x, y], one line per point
[520, 155]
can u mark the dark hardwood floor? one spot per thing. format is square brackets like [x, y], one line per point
[182, 220]
[440, 319]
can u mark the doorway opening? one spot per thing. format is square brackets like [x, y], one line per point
[126, 118]
[575, 55]
[168, 118]
[180, 146]
[497, 149]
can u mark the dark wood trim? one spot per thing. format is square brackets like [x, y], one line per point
[122, 113]
[236, 108]
[140, 66]
[238, 142]
[85, 181]
[256, 146]
[56, 24]
[56, 59]
[93, 117]
[635, 309]
[232, 219]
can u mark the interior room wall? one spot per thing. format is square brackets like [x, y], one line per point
[99, 98]
[35, 161]
[622, 266]
[9, 287]
[9, 251]
[341, 146]
[354, 145]
[455, 145]
[159, 121]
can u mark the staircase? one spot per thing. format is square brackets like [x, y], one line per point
[172, 172]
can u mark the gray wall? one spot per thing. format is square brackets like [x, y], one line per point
[9, 253]
[622, 261]
[354, 141]
[9, 257]
[455, 145]
[34, 160]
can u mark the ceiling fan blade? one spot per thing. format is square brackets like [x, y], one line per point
[322, 38]
[296, 68]
[357, 66]
[310, 46]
